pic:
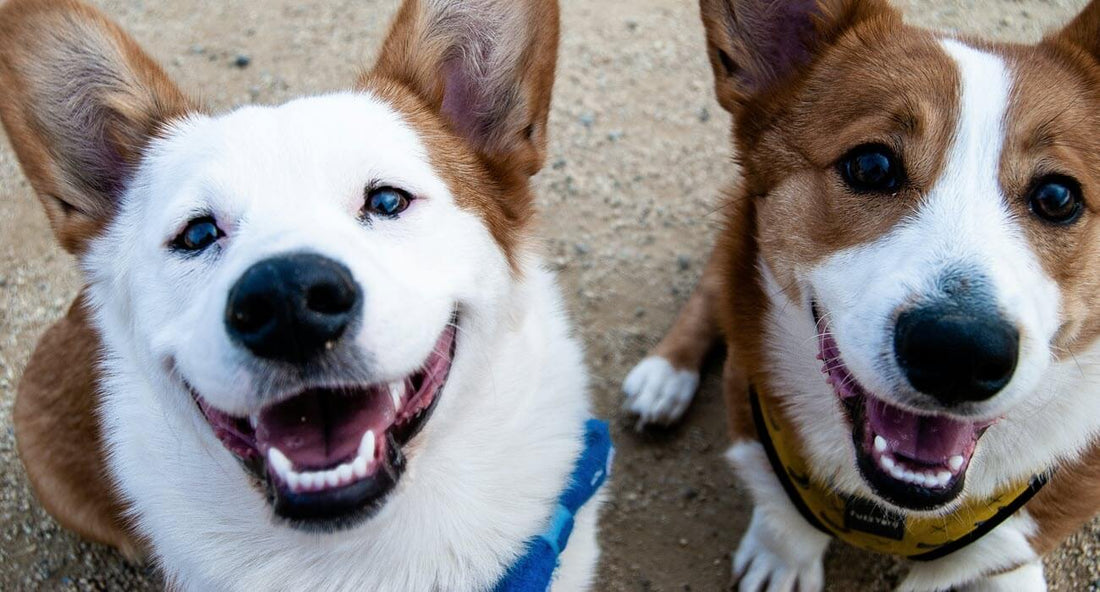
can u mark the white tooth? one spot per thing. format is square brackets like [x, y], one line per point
[887, 462]
[332, 478]
[880, 444]
[306, 481]
[279, 462]
[897, 472]
[359, 467]
[909, 476]
[254, 420]
[944, 477]
[397, 393]
[955, 462]
[345, 473]
[366, 445]
[920, 479]
[294, 480]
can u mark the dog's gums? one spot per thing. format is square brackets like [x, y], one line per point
[913, 460]
[327, 457]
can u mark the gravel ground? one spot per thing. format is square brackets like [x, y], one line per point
[638, 154]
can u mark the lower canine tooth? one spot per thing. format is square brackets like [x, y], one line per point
[955, 462]
[397, 392]
[279, 462]
[880, 444]
[366, 445]
[359, 467]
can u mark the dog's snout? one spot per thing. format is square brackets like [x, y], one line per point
[292, 307]
[956, 355]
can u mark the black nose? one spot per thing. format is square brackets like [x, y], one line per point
[292, 307]
[956, 355]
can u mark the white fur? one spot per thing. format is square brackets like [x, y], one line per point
[780, 551]
[483, 475]
[1050, 411]
[657, 393]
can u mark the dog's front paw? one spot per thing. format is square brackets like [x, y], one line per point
[763, 562]
[657, 392]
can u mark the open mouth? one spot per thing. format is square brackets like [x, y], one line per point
[327, 457]
[915, 461]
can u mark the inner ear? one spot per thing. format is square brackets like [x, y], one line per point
[80, 102]
[487, 66]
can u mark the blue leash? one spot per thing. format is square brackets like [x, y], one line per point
[534, 572]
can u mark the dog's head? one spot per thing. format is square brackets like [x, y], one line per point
[926, 206]
[295, 281]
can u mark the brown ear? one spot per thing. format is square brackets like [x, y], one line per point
[486, 65]
[80, 101]
[58, 433]
[755, 46]
[1083, 32]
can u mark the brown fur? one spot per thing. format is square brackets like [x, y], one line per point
[56, 426]
[58, 433]
[870, 78]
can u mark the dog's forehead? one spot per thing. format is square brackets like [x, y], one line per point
[309, 150]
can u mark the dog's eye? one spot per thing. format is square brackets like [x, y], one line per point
[386, 201]
[197, 235]
[872, 168]
[1057, 199]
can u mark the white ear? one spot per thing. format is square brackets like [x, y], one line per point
[487, 66]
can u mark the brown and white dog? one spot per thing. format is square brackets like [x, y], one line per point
[326, 354]
[907, 277]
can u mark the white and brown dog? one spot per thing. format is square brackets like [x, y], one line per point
[906, 283]
[326, 354]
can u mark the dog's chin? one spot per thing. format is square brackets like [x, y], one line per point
[327, 457]
[915, 461]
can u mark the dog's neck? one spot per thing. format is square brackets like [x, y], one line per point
[483, 477]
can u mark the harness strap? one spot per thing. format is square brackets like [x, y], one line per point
[866, 524]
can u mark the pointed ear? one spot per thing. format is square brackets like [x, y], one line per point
[487, 66]
[1083, 32]
[80, 101]
[755, 46]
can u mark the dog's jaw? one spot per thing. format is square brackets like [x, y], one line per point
[328, 457]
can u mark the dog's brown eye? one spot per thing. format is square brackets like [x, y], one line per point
[872, 168]
[1057, 199]
[386, 201]
[197, 235]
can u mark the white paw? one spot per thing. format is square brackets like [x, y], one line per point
[764, 564]
[658, 393]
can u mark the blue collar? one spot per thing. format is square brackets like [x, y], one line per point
[534, 571]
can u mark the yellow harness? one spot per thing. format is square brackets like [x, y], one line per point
[863, 523]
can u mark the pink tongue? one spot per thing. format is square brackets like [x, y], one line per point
[923, 438]
[320, 429]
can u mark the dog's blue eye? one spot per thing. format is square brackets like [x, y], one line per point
[197, 235]
[1057, 199]
[386, 201]
[872, 168]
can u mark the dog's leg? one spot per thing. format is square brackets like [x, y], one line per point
[660, 388]
[1004, 548]
[780, 552]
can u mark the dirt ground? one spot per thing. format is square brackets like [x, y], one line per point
[637, 157]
